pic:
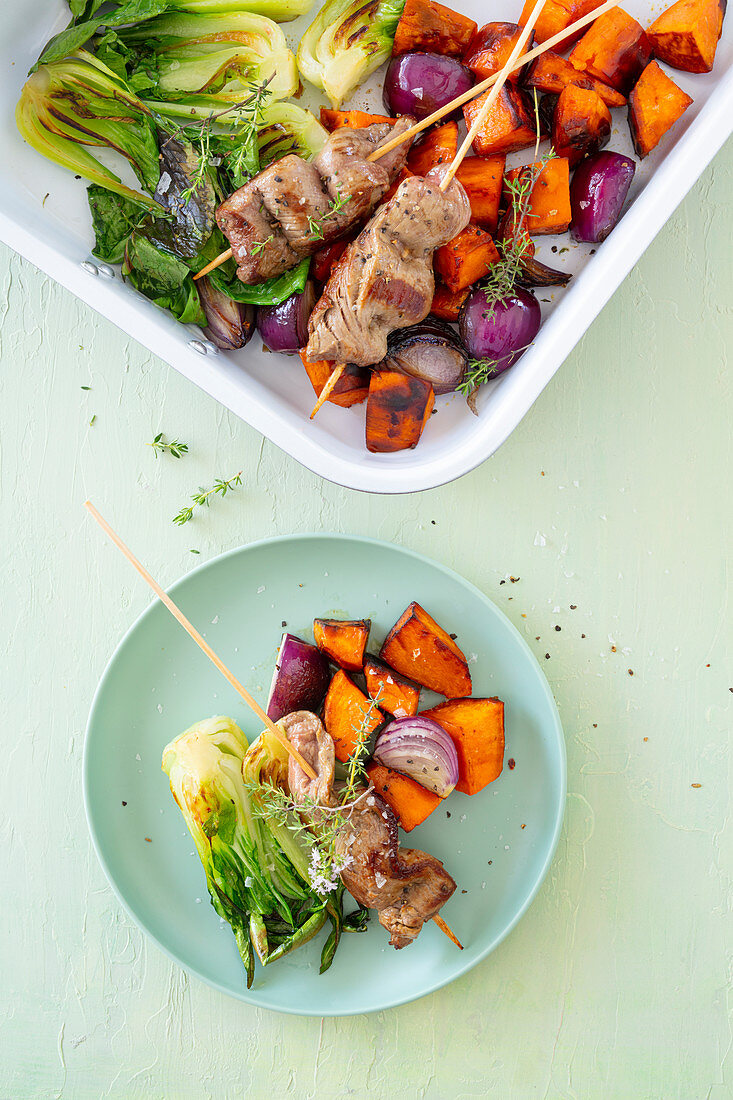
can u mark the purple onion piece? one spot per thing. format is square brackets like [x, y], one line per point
[230, 324]
[300, 679]
[499, 331]
[430, 350]
[419, 83]
[419, 747]
[597, 195]
[285, 327]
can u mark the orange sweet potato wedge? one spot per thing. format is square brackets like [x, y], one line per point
[477, 729]
[509, 124]
[344, 641]
[394, 693]
[549, 205]
[439, 146]
[482, 178]
[447, 303]
[465, 259]
[686, 35]
[398, 408]
[556, 16]
[352, 387]
[347, 712]
[419, 648]
[491, 48]
[655, 104]
[357, 120]
[615, 50]
[409, 801]
[581, 124]
[429, 26]
[552, 73]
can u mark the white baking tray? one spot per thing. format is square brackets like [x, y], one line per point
[44, 216]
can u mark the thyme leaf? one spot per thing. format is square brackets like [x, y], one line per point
[203, 497]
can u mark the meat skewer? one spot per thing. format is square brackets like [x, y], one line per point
[477, 90]
[406, 886]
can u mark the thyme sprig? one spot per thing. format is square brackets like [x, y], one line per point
[258, 246]
[175, 448]
[316, 224]
[203, 497]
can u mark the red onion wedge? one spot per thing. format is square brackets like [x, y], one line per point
[597, 194]
[300, 679]
[429, 350]
[229, 324]
[422, 749]
[285, 327]
[419, 83]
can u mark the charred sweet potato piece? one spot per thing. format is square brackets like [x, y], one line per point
[437, 147]
[477, 729]
[447, 303]
[465, 259]
[581, 124]
[655, 104]
[549, 204]
[426, 25]
[491, 48]
[482, 178]
[556, 16]
[509, 124]
[325, 258]
[398, 409]
[393, 693]
[410, 802]
[552, 73]
[347, 712]
[332, 120]
[615, 50]
[419, 648]
[343, 640]
[351, 389]
[686, 35]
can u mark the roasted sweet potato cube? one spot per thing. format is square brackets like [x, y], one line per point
[548, 210]
[419, 648]
[325, 259]
[348, 715]
[477, 729]
[357, 120]
[343, 640]
[447, 303]
[439, 146]
[686, 35]
[352, 387]
[655, 104]
[482, 178]
[615, 50]
[410, 802]
[427, 25]
[394, 693]
[552, 73]
[556, 16]
[509, 124]
[398, 409]
[491, 48]
[465, 259]
[581, 124]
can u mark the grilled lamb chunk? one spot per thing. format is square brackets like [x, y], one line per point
[406, 886]
[270, 221]
[385, 279]
[305, 731]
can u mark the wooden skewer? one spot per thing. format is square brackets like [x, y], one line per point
[446, 928]
[333, 378]
[200, 642]
[465, 97]
[501, 79]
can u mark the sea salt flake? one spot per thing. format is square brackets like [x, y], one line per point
[540, 540]
[160, 709]
[379, 879]
[215, 620]
[138, 756]
[260, 589]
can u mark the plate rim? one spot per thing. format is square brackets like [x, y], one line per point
[244, 995]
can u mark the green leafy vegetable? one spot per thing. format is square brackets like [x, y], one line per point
[113, 219]
[346, 42]
[270, 293]
[79, 32]
[79, 102]
[162, 278]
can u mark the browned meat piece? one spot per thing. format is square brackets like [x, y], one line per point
[286, 211]
[305, 731]
[406, 886]
[385, 279]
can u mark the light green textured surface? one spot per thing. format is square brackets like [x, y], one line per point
[613, 495]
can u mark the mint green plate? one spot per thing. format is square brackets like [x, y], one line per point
[497, 845]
